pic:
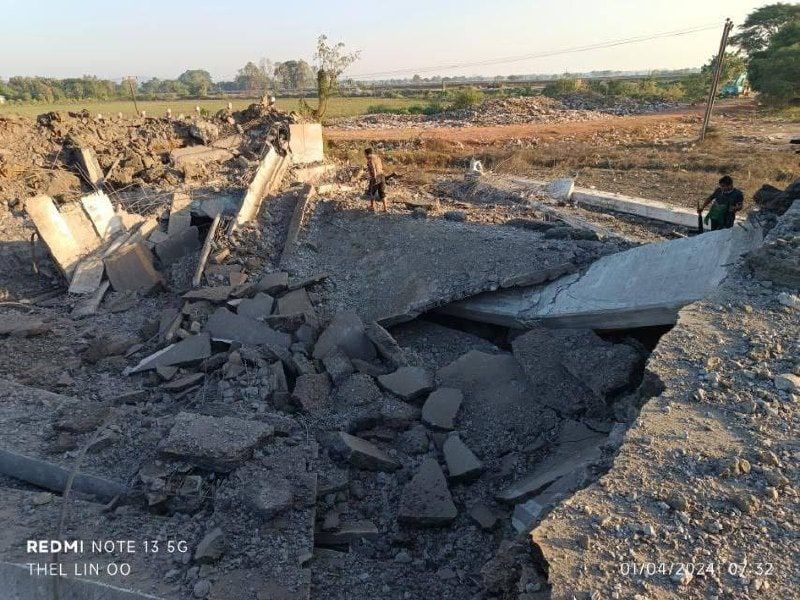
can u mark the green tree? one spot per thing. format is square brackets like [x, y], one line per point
[294, 74]
[331, 62]
[762, 24]
[775, 71]
[197, 81]
[251, 78]
[467, 97]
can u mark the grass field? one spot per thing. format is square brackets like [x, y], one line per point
[337, 107]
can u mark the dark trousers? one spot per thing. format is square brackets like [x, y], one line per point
[377, 189]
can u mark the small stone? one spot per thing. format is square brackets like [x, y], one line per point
[210, 547]
[462, 464]
[426, 499]
[483, 516]
[441, 407]
[365, 455]
[201, 588]
[42, 498]
[788, 382]
[408, 383]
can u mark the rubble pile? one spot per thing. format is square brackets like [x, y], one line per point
[512, 111]
[146, 151]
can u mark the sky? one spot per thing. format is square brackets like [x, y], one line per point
[162, 39]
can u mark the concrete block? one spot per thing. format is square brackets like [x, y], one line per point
[313, 174]
[81, 227]
[216, 443]
[131, 268]
[101, 212]
[90, 168]
[426, 499]
[305, 143]
[190, 350]
[365, 455]
[441, 408]
[226, 326]
[270, 173]
[462, 464]
[180, 215]
[54, 232]
[258, 307]
[295, 302]
[296, 223]
[560, 189]
[311, 391]
[87, 276]
[407, 382]
[345, 331]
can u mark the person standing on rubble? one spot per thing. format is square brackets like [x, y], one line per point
[727, 201]
[377, 180]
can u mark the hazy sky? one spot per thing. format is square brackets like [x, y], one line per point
[162, 39]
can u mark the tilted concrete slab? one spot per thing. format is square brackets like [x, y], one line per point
[81, 227]
[305, 143]
[54, 231]
[90, 168]
[640, 287]
[100, 210]
[268, 176]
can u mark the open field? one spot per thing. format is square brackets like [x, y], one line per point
[337, 107]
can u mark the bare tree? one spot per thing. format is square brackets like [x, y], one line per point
[330, 61]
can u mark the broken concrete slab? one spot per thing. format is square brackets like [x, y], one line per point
[268, 176]
[131, 268]
[190, 350]
[441, 408]
[226, 326]
[640, 287]
[184, 383]
[313, 174]
[560, 189]
[90, 168]
[17, 325]
[337, 365]
[216, 294]
[576, 450]
[206, 251]
[311, 391]
[426, 499]
[88, 306]
[387, 346]
[295, 302]
[87, 276]
[180, 214]
[273, 283]
[357, 390]
[408, 383]
[217, 443]
[305, 143]
[179, 245]
[102, 214]
[80, 226]
[347, 532]
[54, 232]
[345, 331]
[484, 516]
[258, 307]
[462, 464]
[365, 455]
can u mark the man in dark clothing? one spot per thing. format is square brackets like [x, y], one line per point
[377, 181]
[727, 201]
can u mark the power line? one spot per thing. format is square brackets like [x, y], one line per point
[519, 58]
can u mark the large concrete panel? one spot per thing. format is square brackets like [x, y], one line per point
[54, 231]
[305, 142]
[643, 286]
[268, 176]
[100, 210]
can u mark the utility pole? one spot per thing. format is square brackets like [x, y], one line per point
[133, 94]
[712, 94]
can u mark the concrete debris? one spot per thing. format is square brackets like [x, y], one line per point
[88, 276]
[180, 214]
[216, 294]
[54, 232]
[194, 156]
[211, 547]
[295, 302]
[216, 443]
[346, 332]
[89, 167]
[396, 414]
[338, 365]
[258, 307]
[387, 346]
[131, 268]
[268, 176]
[484, 516]
[311, 391]
[22, 326]
[88, 306]
[347, 533]
[190, 350]
[426, 499]
[364, 455]
[304, 196]
[183, 383]
[441, 408]
[226, 326]
[305, 143]
[106, 221]
[206, 250]
[273, 283]
[640, 287]
[409, 383]
[357, 390]
[462, 464]
[560, 189]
